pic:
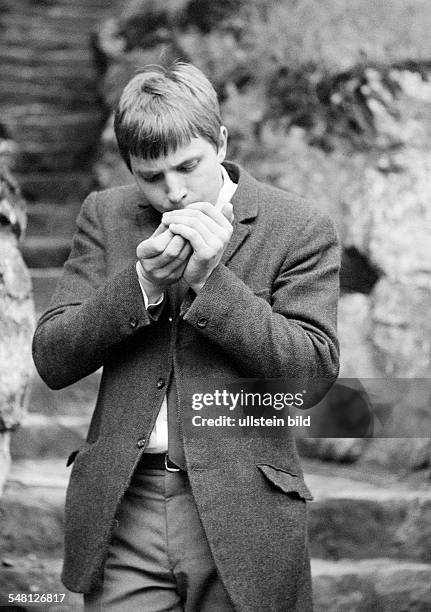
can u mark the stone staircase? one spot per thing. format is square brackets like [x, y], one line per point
[51, 108]
[370, 530]
[370, 536]
[49, 102]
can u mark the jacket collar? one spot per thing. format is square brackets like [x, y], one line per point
[245, 198]
[245, 207]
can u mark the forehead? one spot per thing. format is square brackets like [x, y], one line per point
[197, 147]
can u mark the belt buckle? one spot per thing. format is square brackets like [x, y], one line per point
[170, 469]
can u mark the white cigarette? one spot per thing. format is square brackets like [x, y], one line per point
[219, 205]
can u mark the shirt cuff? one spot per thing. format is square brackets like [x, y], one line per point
[154, 302]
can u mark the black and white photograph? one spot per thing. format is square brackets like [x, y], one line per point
[215, 296]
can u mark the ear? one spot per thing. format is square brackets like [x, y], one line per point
[222, 147]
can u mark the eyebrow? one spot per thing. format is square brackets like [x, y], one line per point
[150, 173]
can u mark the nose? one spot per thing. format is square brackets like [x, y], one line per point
[175, 188]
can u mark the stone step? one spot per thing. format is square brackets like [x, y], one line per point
[57, 19]
[13, 36]
[55, 187]
[25, 57]
[45, 252]
[40, 436]
[49, 115]
[32, 508]
[52, 219]
[46, 72]
[39, 576]
[371, 585]
[356, 515]
[49, 141]
[68, 96]
[44, 281]
[76, 400]
[55, 157]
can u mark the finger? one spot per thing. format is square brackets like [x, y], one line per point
[174, 267]
[160, 229]
[201, 222]
[173, 248]
[214, 212]
[199, 245]
[213, 237]
[186, 250]
[177, 249]
[154, 246]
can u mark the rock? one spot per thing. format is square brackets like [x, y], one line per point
[358, 514]
[17, 317]
[16, 325]
[388, 219]
[401, 325]
[5, 460]
[341, 450]
[385, 585]
[354, 331]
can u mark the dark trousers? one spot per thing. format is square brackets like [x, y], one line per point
[159, 559]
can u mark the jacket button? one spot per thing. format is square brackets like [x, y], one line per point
[202, 322]
[133, 322]
[141, 443]
[160, 383]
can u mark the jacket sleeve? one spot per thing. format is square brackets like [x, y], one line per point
[88, 314]
[293, 333]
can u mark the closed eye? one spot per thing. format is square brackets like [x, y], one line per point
[152, 179]
[189, 166]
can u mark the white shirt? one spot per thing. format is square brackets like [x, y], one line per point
[158, 442]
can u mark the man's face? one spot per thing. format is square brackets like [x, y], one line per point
[190, 174]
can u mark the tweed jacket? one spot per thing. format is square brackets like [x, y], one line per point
[268, 310]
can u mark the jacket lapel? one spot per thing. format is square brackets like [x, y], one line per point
[245, 208]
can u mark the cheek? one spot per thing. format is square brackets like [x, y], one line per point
[152, 192]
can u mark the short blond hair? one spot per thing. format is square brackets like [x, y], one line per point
[163, 108]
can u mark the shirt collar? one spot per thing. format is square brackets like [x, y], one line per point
[227, 190]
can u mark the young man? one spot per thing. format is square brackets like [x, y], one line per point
[196, 271]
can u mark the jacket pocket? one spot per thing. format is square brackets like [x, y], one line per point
[285, 481]
[71, 458]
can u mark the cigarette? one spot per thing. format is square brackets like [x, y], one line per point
[219, 205]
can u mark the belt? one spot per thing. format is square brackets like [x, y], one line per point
[157, 461]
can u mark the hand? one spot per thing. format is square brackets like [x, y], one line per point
[208, 230]
[163, 258]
